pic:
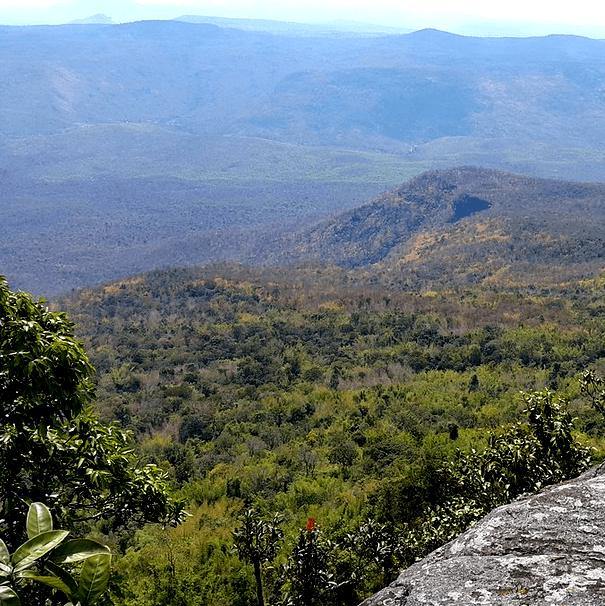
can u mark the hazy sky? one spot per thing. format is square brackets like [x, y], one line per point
[580, 12]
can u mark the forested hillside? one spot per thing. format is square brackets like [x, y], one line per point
[349, 409]
[461, 226]
[405, 345]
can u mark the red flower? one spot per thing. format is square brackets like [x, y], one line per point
[311, 524]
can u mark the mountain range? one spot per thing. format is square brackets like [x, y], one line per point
[386, 92]
[160, 143]
[302, 17]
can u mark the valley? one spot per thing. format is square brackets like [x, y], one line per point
[247, 132]
[342, 287]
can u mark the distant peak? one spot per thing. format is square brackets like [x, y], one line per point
[99, 18]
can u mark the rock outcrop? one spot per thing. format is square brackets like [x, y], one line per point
[545, 549]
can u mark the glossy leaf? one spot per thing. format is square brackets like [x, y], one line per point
[35, 548]
[94, 577]
[8, 597]
[39, 520]
[51, 581]
[5, 557]
[76, 550]
[64, 576]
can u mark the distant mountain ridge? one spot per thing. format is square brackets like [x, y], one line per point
[367, 19]
[459, 226]
[289, 28]
[98, 18]
[385, 92]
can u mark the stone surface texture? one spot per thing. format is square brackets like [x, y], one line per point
[545, 549]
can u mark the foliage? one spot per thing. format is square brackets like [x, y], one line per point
[40, 557]
[227, 380]
[257, 542]
[308, 579]
[593, 386]
[521, 459]
[53, 447]
[192, 564]
[367, 558]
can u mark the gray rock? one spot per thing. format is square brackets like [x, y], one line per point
[545, 549]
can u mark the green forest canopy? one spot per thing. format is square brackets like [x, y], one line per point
[53, 447]
[327, 400]
[378, 424]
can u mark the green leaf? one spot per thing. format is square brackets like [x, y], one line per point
[35, 548]
[8, 597]
[39, 520]
[5, 557]
[64, 575]
[93, 579]
[51, 581]
[76, 550]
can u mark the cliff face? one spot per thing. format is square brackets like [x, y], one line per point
[545, 549]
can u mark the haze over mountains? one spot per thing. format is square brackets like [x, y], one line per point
[157, 143]
[306, 17]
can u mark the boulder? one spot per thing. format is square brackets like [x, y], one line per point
[544, 549]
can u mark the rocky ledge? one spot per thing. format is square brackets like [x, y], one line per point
[546, 549]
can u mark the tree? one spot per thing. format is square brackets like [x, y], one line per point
[53, 447]
[257, 541]
[308, 579]
[593, 387]
[521, 459]
[343, 452]
[368, 556]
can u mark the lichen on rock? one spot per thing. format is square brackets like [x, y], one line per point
[546, 549]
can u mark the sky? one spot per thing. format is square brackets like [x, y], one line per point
[580, 12]
[585, 12]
